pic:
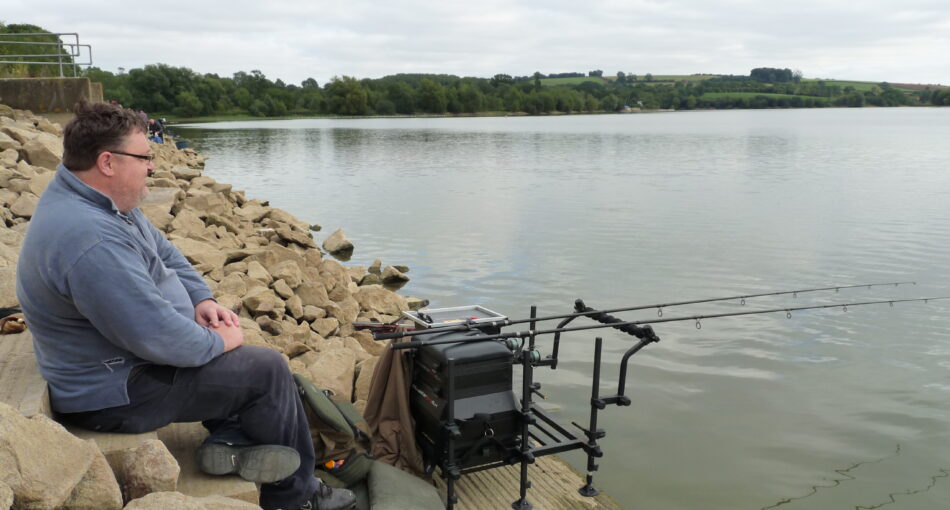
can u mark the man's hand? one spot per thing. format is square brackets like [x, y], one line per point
[232, 335]
[210, 313]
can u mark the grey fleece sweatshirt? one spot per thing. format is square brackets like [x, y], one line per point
[103, 292]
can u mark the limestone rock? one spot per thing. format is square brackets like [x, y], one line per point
[52, 128]
[377, 299]
[289, 271]
[324, 327]
[39, 183]
[187, 222]
[232, 284]
[185, 172]
[335, 272]
[338, 245]
[8, 159]
[45, 150]
[98, 490]
[224, 503]
[231, 302]
[18, 133]
[296, 236]
[205, 203]
[25, 206]
[392, 276]
[354, 346]
[313, 294]
[371, 279]
[148, 468]
[282, 216]
[263, 301]
[165, 501]
[39, 460]
[252, 211]
[374, 268]
[6, 496]
[310, 313]
[333, 370]
[7, 142]
[198, 252]
[256, 271]
[269, 325]
[282, 289]
[365, 339]
[295, 307]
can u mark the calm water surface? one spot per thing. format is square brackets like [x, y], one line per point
[825, 410]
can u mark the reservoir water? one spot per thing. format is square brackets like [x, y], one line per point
[824, 410]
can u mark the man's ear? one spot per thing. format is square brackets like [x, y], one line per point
[104, 163]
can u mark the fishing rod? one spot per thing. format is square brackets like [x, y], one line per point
[659, 306]
[633, 327]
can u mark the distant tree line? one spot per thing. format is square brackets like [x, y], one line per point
[182, 92]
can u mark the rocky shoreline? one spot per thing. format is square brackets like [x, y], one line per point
[260, 261]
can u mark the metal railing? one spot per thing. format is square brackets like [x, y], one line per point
[71, 50]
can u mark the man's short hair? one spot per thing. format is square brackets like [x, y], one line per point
[97, 127]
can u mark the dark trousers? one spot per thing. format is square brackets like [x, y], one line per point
[250, 386]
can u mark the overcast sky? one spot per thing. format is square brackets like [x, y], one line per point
[901, 41]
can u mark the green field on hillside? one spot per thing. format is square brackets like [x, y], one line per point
[553, 82]
[750, 95]
[677, 77]
[860, 86]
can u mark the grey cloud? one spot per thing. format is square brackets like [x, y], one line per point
[292, 40]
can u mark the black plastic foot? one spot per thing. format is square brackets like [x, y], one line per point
[588, 491]
[521, 504]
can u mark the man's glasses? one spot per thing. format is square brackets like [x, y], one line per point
[144, 157]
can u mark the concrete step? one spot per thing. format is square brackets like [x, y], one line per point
[21, 384]
[182, 440]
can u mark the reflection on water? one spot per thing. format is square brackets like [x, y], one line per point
[634, 209]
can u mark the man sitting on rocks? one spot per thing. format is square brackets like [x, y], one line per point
[128, 336]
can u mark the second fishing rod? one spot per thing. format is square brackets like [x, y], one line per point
[658, 306]
[641, 328]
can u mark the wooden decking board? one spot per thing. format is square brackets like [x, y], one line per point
[554, 487]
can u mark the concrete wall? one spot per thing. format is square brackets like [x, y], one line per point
[48, 95]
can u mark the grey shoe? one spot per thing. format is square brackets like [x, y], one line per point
[327, 498]
[260, 464]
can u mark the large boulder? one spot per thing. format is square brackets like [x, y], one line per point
[40, 460]
[338, 245]
[6, 496]
[313, 294]
[198, 252]
[263, 301]
[288, 271]
[25, 206]
[333, 369]
[377, 299]
[325, 327]
[7, 142]
[98, 490]
[165, 501]
[393, 276]
[204, 203]
[45, 150]
[39, 183]
[148, 468]
[252, 211]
